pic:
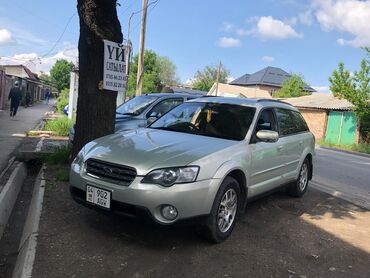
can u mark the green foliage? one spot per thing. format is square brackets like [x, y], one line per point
[60, 126]
[60, 74]
[341, 82]
[45, 78]
[167, 71]
[355, 89]
[62, 100]
[292, 87]
[62, 174]
[363, 148]
[60, 156]
[205, 78]
[158, 72]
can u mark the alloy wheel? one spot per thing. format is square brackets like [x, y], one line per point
[227, 210]
[303, 177]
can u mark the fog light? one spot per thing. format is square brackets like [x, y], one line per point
[169, 212]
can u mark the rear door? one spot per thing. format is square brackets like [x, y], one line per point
[293, 132]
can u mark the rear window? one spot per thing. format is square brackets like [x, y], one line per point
[290, 122]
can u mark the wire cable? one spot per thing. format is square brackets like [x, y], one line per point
[153, 4]
[60, 37]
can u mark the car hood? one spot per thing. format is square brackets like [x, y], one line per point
[146, 149]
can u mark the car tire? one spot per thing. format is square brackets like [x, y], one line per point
[299, 187]
[216, 228]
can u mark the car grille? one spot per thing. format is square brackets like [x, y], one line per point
[120, 174]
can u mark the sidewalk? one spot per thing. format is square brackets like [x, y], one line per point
[12, 129]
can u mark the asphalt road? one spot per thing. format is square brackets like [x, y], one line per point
[342, 174]
[12, 129]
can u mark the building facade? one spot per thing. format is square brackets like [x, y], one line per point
[30, 84]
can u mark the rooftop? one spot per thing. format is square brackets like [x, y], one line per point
[270, 76]
[320, 101]
[238, 91]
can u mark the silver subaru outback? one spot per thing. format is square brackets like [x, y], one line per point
[204, 159]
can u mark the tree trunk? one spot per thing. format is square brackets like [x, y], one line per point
[95, 108]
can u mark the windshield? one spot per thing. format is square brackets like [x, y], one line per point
[209, 119]
[136, 105]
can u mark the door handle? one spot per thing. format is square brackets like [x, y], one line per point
[280, 148]
[300, 143]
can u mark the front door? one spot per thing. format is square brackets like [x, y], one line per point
[267, 158]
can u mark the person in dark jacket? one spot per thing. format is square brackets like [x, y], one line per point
[15, 97]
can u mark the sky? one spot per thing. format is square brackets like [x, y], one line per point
[309, 37]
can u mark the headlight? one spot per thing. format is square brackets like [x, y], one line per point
[79, 158]
[169, 176]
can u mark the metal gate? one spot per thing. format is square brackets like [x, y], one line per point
[341, 128]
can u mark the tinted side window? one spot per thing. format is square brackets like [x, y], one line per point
[165, 106]
[290, 122]
[266, 121]
[300, 122]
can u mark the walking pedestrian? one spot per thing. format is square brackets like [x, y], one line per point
[47, 96]
[15, 97]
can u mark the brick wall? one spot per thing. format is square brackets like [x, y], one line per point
[316, 121]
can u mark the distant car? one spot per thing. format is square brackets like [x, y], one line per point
[65, 110]
[206, 158]
[142, 110]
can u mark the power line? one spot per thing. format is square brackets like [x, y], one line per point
[153, 4]
[60, 37]
[126, 9]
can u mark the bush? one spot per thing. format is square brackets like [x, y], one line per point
[60, 126]
[62, 100]
[60, 156]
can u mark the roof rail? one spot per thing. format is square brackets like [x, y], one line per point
[272, 100]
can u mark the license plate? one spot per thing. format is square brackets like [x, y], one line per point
[98, 196]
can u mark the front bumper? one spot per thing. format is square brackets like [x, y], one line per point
[190, 199]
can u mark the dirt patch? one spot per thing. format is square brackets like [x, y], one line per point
[274, 238]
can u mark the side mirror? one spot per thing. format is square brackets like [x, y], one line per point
[267, 135]
[153, 114]
[150, 120]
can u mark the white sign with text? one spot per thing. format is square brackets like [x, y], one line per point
[115, 78]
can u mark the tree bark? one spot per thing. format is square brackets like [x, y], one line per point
[95, 108]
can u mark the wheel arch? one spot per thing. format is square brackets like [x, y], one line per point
[309, 157]
[233, 169]
[240, 177]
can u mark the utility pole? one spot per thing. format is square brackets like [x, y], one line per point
[218, 76]
[128, 45]
[128, 53]
[140, 68]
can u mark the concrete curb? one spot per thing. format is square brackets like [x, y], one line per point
[9, 194]
[343, 151]
[10, 163]
[27, 247]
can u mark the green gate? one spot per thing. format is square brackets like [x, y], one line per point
[341, 128]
